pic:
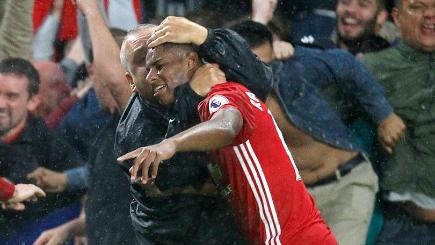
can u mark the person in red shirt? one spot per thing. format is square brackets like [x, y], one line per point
[268, 195]
[13, 195]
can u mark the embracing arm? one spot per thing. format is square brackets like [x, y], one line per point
[216, 133]
[347, 72]
[221, 46]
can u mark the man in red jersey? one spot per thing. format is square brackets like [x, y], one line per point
[268, 195]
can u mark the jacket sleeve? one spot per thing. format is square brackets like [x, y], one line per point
[16, 29]
[6, 190]
[342, 68]
[226, 48]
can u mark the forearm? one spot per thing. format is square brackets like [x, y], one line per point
[108, 68]
[216, 133]
[42, 46]
[76, 227]
[16, 29]
[339, 68]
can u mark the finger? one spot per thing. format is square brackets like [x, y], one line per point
[146, 166]
[137, 163]
[39, 192]
[158, 32]
[130, 155]
[386, 147]
[16, 206]
[35, 174]
[55, 240]
[160, 40]
[42, 239]
[156, 165]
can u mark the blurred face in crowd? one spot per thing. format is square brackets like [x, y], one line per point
[53, 87]
[135, 50]
[358, 18]
[264, 52]
[169, 68]
[15, 101]
[416, 21]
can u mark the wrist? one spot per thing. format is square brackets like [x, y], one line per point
[63, 182]
[201, 36]
[260, 18]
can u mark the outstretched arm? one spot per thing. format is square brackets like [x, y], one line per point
[219, 131]
[108, 68]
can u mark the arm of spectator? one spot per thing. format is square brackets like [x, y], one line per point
[74, 179]
[16, 29]
[43, 41]
[219, 131]
[59, 235]
[262, 10]
[72, 60]
[342, 68]
[339, 67]
[221, 46]
[6, 190]
[107, 64]
[282, 50]
[13, 195]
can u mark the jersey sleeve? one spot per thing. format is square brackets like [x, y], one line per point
[229, 96]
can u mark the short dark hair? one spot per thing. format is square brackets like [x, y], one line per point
[22, 67]
[254, 33]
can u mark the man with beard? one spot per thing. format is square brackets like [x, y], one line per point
[358, 24]
[182, 204]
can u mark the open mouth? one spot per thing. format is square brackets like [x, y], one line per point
[158, 89]
[349, 21]
[428, 28]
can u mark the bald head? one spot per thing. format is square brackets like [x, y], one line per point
[135, 40]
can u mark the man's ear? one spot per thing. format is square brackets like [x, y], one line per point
[381, 17]
[33, 103]
[395, 15]
[192, 59]
[130, 82]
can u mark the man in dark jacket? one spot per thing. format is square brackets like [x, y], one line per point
[182, 205]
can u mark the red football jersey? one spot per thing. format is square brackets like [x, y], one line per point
[268, 195]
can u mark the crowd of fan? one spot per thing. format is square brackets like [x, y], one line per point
[353, 94]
